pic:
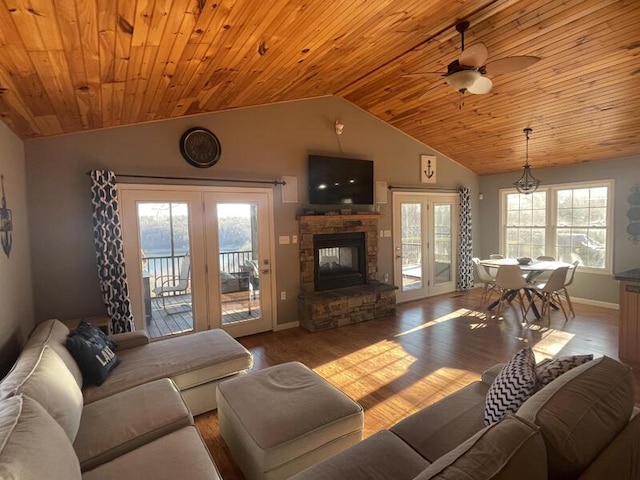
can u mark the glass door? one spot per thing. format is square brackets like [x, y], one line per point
[162, 249]
[198, 258]
[239, 259]
[424, 244]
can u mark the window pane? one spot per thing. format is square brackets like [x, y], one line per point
[526, 217]
[576, 239]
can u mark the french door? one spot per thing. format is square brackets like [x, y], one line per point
[424, 243]
[198, 258]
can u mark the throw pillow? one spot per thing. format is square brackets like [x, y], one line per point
[94, 353]
[515, 383]
[89, 330]
[550, 369]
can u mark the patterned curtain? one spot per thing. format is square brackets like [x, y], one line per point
[465, 266]
[107, 235]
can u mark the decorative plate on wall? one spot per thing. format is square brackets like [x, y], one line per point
[200, 147]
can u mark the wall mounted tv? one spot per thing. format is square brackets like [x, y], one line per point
[340, 181]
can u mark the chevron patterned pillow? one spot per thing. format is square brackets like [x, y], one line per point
[550, 369]
[514, 384]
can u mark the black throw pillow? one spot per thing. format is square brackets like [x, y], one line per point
[93, 351]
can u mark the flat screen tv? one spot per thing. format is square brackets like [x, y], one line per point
[340, 181]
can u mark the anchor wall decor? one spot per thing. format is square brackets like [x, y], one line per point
[428, 168]
[6, 225]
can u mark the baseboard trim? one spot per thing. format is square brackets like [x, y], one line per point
[595, 303]
[285, 326]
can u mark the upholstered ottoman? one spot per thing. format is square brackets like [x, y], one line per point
[282, 419]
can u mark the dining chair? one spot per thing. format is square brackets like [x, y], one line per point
[546, 258]
[549, 292]
[568, 281]
[486, 278]
[510, 282]
[495, 256]
[544, 276]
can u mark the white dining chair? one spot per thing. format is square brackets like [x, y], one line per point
[549, 292]
[545, 258]
[486, 278]
[510, 281]
[568, 281]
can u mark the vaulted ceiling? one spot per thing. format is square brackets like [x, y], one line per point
[74, 65]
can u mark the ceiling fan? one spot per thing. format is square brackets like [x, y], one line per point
[467, 73]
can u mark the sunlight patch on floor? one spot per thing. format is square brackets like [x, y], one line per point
[551, 343]
[461, 312]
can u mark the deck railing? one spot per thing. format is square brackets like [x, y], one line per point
[168, 266]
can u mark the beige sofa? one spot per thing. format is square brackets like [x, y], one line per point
[137, 425]
[581, 425]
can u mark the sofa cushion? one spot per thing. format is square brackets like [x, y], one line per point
[512, 448]
[381, 456]
[32, 445]
[580, 412]
[124, 421]
[42, 375]
[180, 454]
[514, 384]
[54, 333]
[93, 353]
[551, 368]
[188, 360]
[440, 427]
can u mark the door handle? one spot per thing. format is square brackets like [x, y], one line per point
[399, 256]
[265, 271]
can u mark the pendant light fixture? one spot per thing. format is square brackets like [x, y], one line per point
[527, 183]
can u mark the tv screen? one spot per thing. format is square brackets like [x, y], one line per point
[340, 181]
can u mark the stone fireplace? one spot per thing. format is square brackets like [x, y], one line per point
[338, 271]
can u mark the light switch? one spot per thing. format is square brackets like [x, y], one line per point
[387, 233]
[283, 239]
[294, 238]
[381, 233]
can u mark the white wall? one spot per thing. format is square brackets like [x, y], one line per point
[16, 299]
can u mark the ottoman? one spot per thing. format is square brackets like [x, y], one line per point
[282, 419]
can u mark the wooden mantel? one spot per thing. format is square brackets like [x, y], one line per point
[324, 218]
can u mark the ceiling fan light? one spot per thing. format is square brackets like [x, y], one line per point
[463, 79]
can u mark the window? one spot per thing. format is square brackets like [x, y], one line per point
[568, 222]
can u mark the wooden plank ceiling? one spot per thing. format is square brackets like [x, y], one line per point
[74, 65]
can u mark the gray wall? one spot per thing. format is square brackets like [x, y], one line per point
[16, 300]
[626, 255]
[257, 143]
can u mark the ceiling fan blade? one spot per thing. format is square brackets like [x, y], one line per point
[481, 86]
[510, 64]
[474, 56]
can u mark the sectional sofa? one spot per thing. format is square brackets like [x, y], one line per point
[137, 425]
[581, 425]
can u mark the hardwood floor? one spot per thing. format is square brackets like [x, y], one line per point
[429, 349]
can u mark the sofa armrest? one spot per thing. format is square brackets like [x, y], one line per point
[126, 340]
[490, 374]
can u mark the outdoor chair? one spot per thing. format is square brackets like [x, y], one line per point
[173, 284]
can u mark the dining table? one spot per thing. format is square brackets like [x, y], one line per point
[533, 269]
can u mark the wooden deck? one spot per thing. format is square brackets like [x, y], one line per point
[176, 315]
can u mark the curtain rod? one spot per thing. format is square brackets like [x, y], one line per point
[200, 179]
[411, 187]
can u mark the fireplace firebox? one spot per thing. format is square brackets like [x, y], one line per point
[340, 260]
